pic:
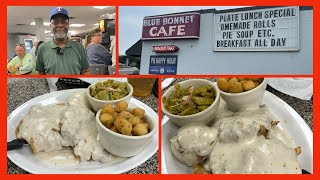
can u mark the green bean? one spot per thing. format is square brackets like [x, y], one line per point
[202, 100]
[190, 100]
[108, 82]
[201, 108]
[189, 112]
[115, 95]
[206, 94]
[109, 90]
[181, 107]
[177, 86]
[200, 90]
[102, 95]
[123, 86]
[174, 101]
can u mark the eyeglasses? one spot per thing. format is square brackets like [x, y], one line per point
[101, 35]
[20, 45]
[63, 22]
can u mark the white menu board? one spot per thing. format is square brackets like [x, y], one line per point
[272, 29]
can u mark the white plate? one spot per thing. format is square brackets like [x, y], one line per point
[289, 119]
[25, 159]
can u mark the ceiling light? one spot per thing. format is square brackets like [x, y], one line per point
[44, 23]
[100, 7]
[77, 25]
[47, 32]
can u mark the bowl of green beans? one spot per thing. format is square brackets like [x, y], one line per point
[108, 91]
[191, 101]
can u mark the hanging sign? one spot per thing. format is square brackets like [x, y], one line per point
[165, 48]
[178, 26]
[163, 64]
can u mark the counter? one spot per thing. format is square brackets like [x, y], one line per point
[21, 90]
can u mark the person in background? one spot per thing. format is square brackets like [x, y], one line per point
[33, 50]
[36, 52]
[113, 50]
[61, 55]
[97, 53]
[23, 61]
[76, 38]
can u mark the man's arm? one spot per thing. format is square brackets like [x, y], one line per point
[12, 62]
[84, 60]
[29, 65]
[39, 61]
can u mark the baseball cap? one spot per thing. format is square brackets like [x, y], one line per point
[59, 10]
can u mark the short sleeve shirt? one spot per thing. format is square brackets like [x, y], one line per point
[28, 62]
[72, 60]
[98, 54]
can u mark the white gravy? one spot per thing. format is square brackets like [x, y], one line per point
[257, 155]
[61, 157]
[193, 142]
[79, 131]
[40, 128]
[49, 129]
[188, 138]
[79, 98]
[66, 157]
[243, 125]
[238, 149]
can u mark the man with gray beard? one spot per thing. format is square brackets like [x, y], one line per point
[61, 55]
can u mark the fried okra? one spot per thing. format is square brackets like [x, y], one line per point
[238, 85]
[120, 120]
[140, 129]
[107, 120]
[138, 112]
[121, 106]
[134, 120]
[107, 109]
[123, 126]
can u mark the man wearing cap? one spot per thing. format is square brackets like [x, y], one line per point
[61, 55]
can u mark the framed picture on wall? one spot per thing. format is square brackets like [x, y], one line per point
[28, 44]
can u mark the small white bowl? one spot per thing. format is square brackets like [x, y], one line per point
[246, 100]
[97, 104]
[123, 145]
[203, 117]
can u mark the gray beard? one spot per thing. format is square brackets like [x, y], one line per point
[60, 36]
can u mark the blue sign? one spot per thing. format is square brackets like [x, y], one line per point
[163, 64]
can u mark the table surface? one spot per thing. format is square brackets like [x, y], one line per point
[24, 73]
[21, 90]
